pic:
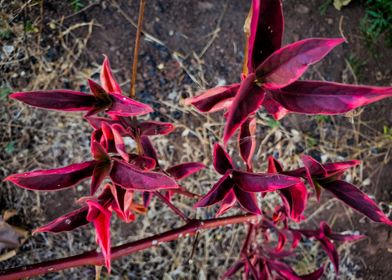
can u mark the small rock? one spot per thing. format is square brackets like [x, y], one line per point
[205, 6]
[302, 9]
[329, 20]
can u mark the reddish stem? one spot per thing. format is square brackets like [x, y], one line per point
[172, 206]
[95, 258]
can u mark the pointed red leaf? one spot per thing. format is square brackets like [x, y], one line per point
[222, 160]
[62, 100]
[327, 98]
[150, 128]
[214, 99]
[131, 177]
[98, 91]
[184, 170]
[96, 122]
[247, 141]
[102, 228]
[259, 182]
[357, 200]
[127, 107]
[265, 31]
[107, 79]
[53, 179]
[142, 162]
[228, 202]
[99, 152]
[287, 64]
[246, 102]
[248, 201]
[296, 197]
[67, 222]
[149, 149]
[273, 107]
[233, 269]
[217, 192]
[101, 171]
[119, 142]
[340, 166]
[274, 165]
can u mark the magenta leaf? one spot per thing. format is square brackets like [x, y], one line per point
[62, 100]
[53, 179]
[233, 269]
[296, 198]
[228, 202]
[217, 192]
[214, 99]
[96, 122]
[342, 166]
[99, 92]
[143, 162]
[266, 31]
[119, 142]
[222, 160]
[246, 102]
[101, 171]
[357, 200]
[259, 182]
[273, 107]
[287, 272]
[327, 98]
[247, 141]
[315, 168]
[287, 64]
[149, 149]
[247, 201]
[101, 223]
[131, 177]
[184, 170]
[107, 80]
[67, 222]
[150, 128]
[127, 107]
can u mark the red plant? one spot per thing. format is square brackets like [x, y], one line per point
[270, 79]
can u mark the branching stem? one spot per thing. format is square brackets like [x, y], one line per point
[97, 259]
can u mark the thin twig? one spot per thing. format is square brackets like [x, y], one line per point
[136, 49]
[172, 206]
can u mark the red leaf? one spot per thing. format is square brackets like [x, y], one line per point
[217, 192]
[150, 128]
[184, 170]
[98, 91]
[340, 166]
[357, 200]
[96, 122]
[274, 165]
[149, 149]
[315, 168]
[273, 107]
[101, 171]
[228, 202]
[296, 197]
[53, 179]
[248, 201]
[119, 142]
[62, 100]
[67, 222]
[222, 160]
[214, 99]
[102, 228]
[123, 203]
[143, 162]
[287, 64]
[131, 177]
[107, 80]
[247, 141]
[327, 98]
[266, 31]
[246, 102]
[259, 182]
[127, 107]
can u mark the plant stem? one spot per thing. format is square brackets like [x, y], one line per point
[172, 206]
[97, 259]
[136, 49]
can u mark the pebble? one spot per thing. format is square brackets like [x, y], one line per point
[302, 9]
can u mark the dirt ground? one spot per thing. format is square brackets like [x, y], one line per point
[187, 46]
